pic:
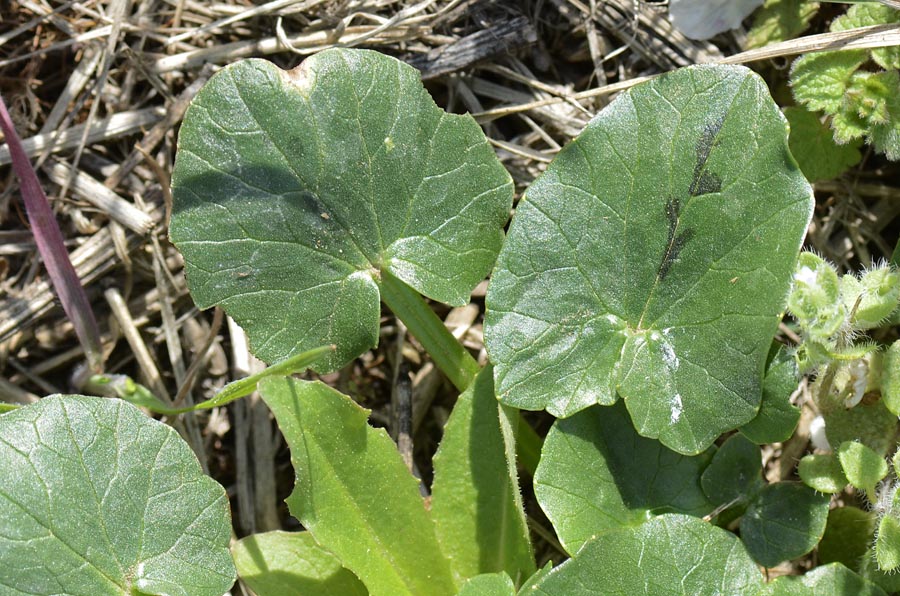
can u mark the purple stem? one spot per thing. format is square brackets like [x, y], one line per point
[49, 240]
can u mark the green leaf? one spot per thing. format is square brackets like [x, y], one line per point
[822, 472]
[353, 492]
[886, 136]
[670, 554]
[538, 576]
[863, 467]
[847, 537]
[820, 79]
[99, 499]
[872, 297]
[865, 15]
[784, 522]
[597, 474]
[777, 417]
[475, 503]
[871, 424]
[887, 543]
[491, 584]
[780, 20]
[293, 190]
[889, 582]
[812, 143]
[827, 580]
[292, 564]
[735, 472]
[652, 259]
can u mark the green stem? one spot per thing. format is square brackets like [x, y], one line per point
[137, 394]
[446, 352]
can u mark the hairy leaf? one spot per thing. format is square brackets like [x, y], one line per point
[819, 80]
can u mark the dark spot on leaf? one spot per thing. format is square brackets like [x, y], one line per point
[675, 241]
[705, 182]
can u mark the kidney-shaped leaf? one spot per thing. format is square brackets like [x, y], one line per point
[670, 554]
[652, 259]
[293, 189]
[597, 474]
[97, 499]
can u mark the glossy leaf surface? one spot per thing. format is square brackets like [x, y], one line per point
[353, 492]
[294, 189]
[597, 474]
[667, 556]
[292, 564]
[652, 260]
[476, 503]
[98, 499]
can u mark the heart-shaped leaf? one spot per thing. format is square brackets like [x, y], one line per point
[99, 499]
[292, 564]
[785, 521]
[670, 554]
[652, 260]
[294, 189]
[475, 503]
[353, 492]
[597, 474]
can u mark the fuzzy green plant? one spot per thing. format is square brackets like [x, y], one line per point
[855, 388]
[858, 90]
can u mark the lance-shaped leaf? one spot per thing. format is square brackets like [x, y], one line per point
[652, 259]
[98, 499]
[353, 492]
[476, 504]
[294, 189]
[292, 564]
[597, 474]
[670, 554]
